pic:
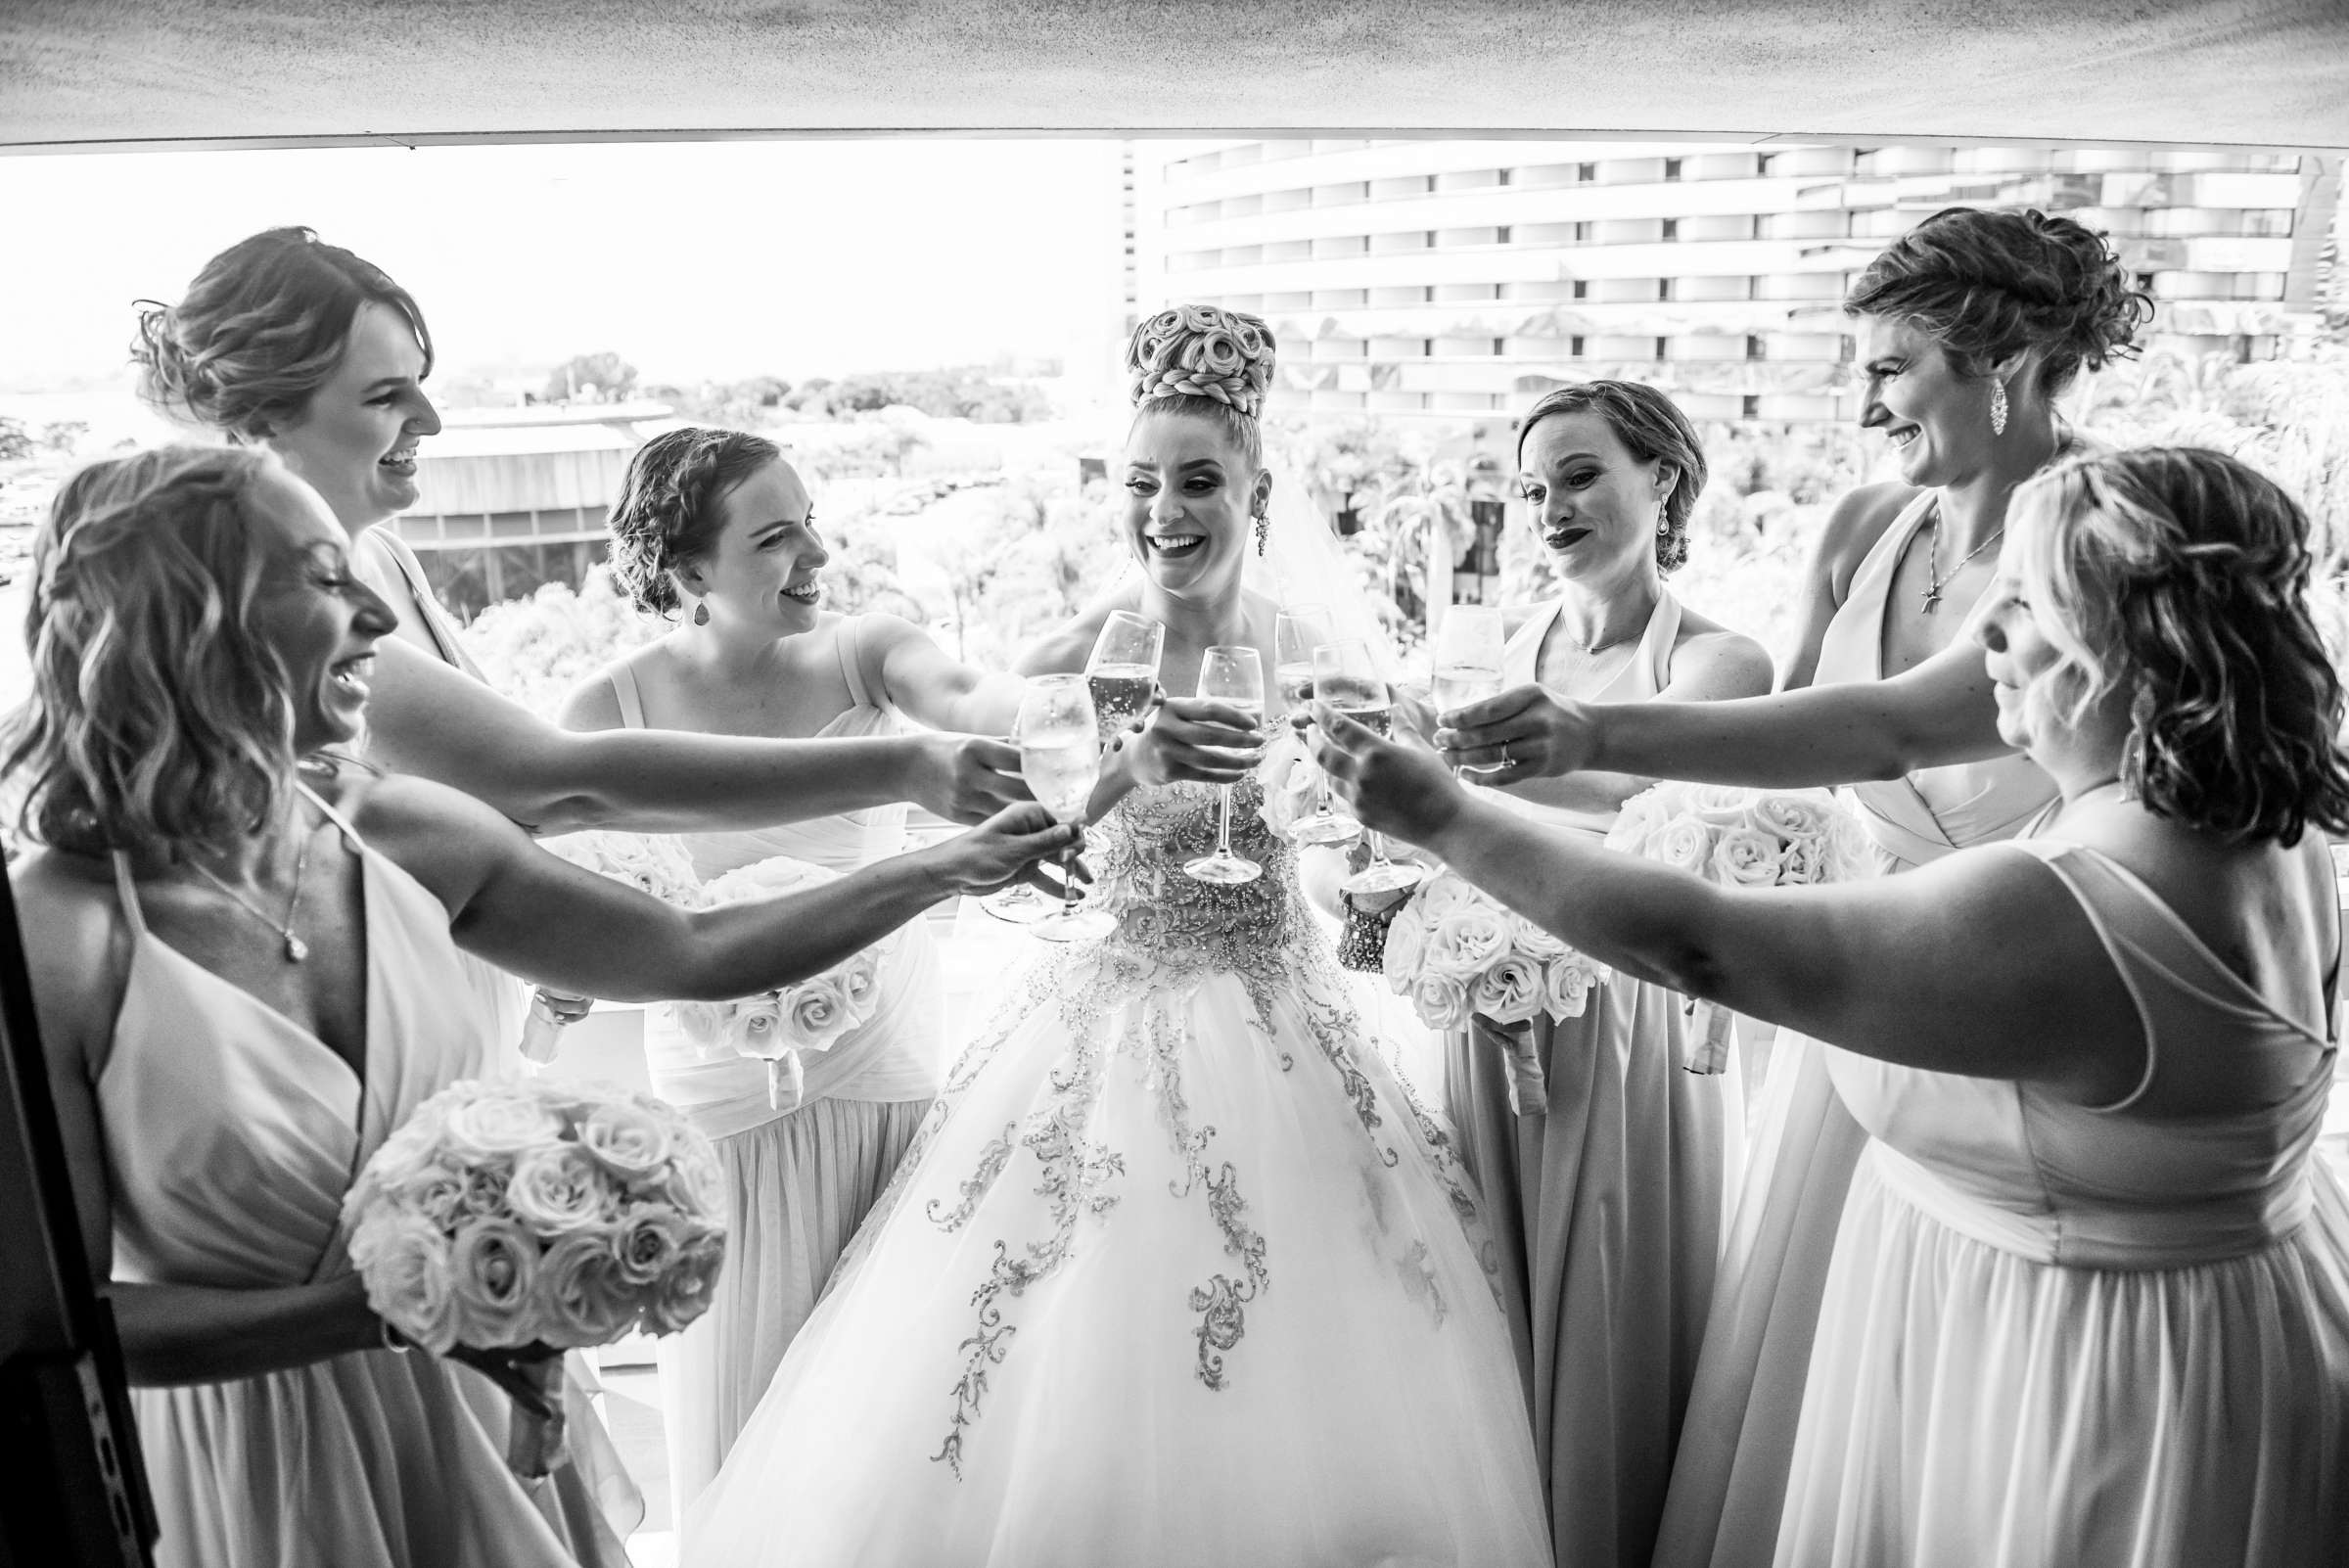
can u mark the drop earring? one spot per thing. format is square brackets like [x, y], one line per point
[701, 614]
[1263, 532]
[1998, 408]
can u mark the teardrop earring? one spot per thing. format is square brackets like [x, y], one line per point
[1998, 408]
[701, 614]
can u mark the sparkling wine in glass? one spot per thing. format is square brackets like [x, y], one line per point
[1347, 680]
[1123, 671]
[1234, 677]
[1301, 629]
[1468, 658]
[1060, 757]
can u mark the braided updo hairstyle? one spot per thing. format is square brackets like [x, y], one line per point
[1988, 285]
[1652, 429]
[260, 331]
[669, 510]
[1208, 362]
[2181, 574]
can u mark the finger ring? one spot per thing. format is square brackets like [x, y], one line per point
[1505, 758]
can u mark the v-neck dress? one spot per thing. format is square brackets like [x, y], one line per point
[231, 1135]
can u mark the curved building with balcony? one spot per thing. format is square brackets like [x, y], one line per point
[1459, 277]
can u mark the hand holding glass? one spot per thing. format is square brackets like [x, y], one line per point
[1060, 757]
[1123, 673]
[1468, 658]
[1347, 680]
[1234, 677]
[1301, 629]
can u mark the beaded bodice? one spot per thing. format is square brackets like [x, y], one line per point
[1138, 853]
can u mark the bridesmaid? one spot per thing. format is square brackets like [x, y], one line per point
[1606, 1201]
[2089, 1294]
[1970, 328]
[714, 529]
[242, 962]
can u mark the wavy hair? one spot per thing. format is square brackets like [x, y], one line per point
[1988, 285]
[260, 330]
[1653, 430]
[668, 511]
[2181, 576]
[161, 715]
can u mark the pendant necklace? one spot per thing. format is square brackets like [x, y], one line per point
[296, 948]
[1934, 581]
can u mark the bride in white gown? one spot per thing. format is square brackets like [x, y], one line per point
[1177, 1271]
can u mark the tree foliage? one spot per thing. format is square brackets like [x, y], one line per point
[597, 378]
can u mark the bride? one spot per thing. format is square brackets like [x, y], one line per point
[1177, 1271]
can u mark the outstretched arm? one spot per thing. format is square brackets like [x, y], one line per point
[549, 921]
[433, 721]
[935, 689]
[1980, 964]
[1939, 712]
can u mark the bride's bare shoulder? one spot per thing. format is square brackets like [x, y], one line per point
[1067, 646]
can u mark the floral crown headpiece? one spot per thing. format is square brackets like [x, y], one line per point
[1198, 350]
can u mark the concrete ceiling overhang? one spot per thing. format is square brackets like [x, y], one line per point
[93, 73]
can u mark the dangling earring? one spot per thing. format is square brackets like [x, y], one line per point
[1263, 532]
[2133, 750]
[701, 614]
[1998, 408]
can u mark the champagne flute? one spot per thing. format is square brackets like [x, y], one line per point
[1347, 680]
[1123, 673]
[1233, 675]
[1020, 905]
[1301, 629]
[1468, 658]
[1060, 757]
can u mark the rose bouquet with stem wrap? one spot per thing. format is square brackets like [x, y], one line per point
[1741, 838]
[507, 1222]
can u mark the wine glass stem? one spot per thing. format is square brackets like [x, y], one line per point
[1224, 827]
[1068, 885]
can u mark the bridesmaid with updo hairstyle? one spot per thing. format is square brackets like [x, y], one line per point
[1605, 1189]
[1969, 328]
[714, 532]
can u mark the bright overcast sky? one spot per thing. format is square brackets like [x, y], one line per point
[690, 259]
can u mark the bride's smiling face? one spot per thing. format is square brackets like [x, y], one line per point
[1191, 498]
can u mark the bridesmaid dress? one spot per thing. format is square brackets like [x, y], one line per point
[1606, 1209]
[383, 560]
[231, 1135]
[2058, 1334]
[1730, 1474]
[800, 1177]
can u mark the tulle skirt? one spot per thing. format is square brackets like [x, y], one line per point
[1177, 1272]
[1606, 1208]
[797, 1187]
[1974, 1409]
[371, 1460]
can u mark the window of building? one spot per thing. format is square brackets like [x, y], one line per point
[1504, 175]
[1501, 236]
[1663, 346]
[1671, 168]
[1672, 226]
[1663, 287]
[1427, 293]
[1574, 346]
[1756, 349]
[1586, 172]
[1431, 239]
[1500, 346]
[1761, 164]
[1582, 289]
[1582, 232]
[1752, 407]
[1427, 346]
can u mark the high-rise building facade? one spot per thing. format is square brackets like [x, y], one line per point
[1416, 277]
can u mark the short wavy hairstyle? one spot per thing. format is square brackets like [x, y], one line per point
[1988, 285]
[160, 717]
[260, 330]
[672, 506]
[2180, 576]
[1653, 430]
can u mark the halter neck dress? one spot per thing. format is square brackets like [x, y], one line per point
[1730, 1474]
[2057, 1333]
[231, 1135]
[800, 1177]
[1606, 1208]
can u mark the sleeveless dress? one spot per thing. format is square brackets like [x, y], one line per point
[1607, 1210]
[1731, 1476]
[231, 1135]
[1176, 1273]
[800, 1177]
[389, 567]
[2057, 1334]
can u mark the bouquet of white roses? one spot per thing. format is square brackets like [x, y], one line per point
[528, 1217]
[779, 1027]
[1459, 956]
[1740, 839]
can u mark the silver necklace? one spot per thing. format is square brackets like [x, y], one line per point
[296, 948]
[1934, 581]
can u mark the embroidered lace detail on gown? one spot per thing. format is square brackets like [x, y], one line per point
[1176, 1271]
[231, 1135]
